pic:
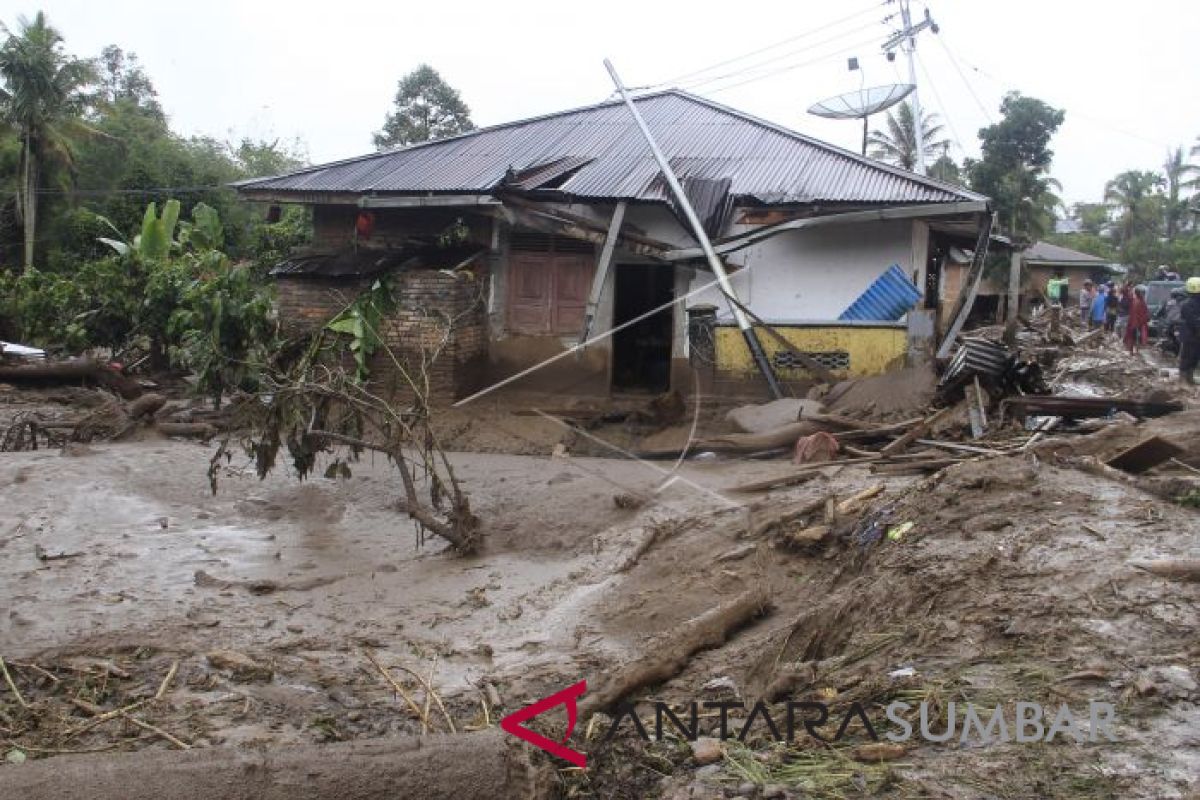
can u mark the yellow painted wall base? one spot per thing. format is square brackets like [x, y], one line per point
[871, 350]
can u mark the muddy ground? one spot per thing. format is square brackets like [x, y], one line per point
[266, 614]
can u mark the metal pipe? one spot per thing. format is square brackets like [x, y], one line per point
[743, 322]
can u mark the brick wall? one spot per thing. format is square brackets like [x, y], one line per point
[305, 303]
[438, 328]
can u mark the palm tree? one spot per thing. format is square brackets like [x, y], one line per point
[1178, 175]
[899, 144]
[41, 98]
[1134, 194]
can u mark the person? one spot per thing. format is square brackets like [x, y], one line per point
[1086, 296]
[1110, 311]
[1189, 332]
[1056, 289]
[1165, 273]
[1123, 301]
[1097, 313]
[1137, 330]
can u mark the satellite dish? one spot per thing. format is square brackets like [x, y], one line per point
[862, 104]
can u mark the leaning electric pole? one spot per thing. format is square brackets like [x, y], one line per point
[906, 40]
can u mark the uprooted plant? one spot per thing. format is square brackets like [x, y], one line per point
[314, 406]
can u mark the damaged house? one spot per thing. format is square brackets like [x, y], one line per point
[532, 236]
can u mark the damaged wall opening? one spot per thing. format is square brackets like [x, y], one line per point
[642, 352]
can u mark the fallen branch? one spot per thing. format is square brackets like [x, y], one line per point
[668, 655]
[73, 371]
[12, 686]
[916, 432]
[1180, 569]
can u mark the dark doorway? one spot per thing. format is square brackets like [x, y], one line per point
[642, 351]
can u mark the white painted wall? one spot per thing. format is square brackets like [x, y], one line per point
[813, 274]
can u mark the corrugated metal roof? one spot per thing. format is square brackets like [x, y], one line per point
[761, 160]
[1044, 252]
[889, 297]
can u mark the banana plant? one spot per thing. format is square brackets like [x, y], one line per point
[157, 237]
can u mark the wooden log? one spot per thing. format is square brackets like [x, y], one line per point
[916, 432]
[198, 430]
[73, 371]
[667, 655]
[1180, 569]
[146, 406]
[484, 764]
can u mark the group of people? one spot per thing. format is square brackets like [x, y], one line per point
[1119, 309]
[1122, 309]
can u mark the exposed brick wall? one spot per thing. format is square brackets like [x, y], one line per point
[305, 304]
[439, 328]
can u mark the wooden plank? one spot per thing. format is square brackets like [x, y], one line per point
[1145, 455]
[916, 432]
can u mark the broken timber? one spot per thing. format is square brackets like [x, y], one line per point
[610, 242]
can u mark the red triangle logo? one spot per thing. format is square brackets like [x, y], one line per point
[512, 724]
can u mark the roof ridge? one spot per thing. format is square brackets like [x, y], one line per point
[823, 145]
[464, 135]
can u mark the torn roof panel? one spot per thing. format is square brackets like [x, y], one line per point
[364, 262]
[611, 160]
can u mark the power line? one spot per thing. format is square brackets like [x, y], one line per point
[945, 112]
[759, 65]
[967, 83]
[806, 34]
[152, 190]
[791, 67]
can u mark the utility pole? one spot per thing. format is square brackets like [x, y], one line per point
[906, 40]
[714, 263]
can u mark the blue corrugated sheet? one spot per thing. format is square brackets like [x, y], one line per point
[890, 297]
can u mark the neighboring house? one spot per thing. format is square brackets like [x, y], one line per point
[529, 207]
[1039, 263]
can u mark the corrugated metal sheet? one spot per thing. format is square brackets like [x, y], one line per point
[761, 160]
[889, 297]
[343, 263]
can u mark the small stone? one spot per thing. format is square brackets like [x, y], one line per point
[706, 750]
[295, 629]
[710, 771]
[773, 790]
[746, 790]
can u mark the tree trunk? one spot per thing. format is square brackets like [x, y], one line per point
[477, 765]
[29, 204]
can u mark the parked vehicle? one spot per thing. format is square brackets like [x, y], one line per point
[1157, 295]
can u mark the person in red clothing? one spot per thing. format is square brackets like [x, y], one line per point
[1137, 330]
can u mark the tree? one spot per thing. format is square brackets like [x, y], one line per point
[427, 108]
[1177, 173]
[1015, 164]
[1136, 198]
[946, 169]
[121, 79]
[43, 98]
[899, 144]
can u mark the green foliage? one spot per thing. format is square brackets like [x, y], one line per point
[427, 108]
[95, 307]
[1015, 164]
[361, 322]
[222, 324]
[42, 99]
[898, 145]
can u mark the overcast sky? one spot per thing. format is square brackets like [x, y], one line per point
[326, 71]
